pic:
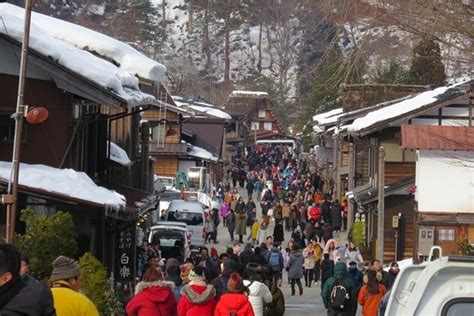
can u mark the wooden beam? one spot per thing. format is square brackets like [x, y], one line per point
[381, 205]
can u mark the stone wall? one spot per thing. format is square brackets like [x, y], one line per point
[358, 96]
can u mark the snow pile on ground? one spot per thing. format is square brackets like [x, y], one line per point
[99, 71]
[67, 182]
[118, 155]
[126, 57]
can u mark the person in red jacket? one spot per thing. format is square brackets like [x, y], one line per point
[314, 212]
[153, 296]
[236, 301]
[197, 297]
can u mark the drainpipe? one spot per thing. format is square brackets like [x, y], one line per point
[350, 186]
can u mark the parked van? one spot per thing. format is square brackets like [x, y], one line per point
[191, 213]
[174, 239]
[442, 286]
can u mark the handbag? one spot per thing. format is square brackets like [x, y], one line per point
[270, 212]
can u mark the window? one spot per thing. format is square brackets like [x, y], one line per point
[446, 234]
[158, 133]
[7, 129]
[458, 307]
[255, 126]
[262, 113]
[267, 126]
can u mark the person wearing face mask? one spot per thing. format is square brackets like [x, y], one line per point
[17, 296]
[355, 274]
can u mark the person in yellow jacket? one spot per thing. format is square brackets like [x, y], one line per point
[65, 284]
[255, 229]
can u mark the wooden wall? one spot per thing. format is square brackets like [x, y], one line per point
[396, 171]
[166, 166]
[44, 143]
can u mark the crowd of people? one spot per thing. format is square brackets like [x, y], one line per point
[246, 278]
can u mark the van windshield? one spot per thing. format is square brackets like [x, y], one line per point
[190, 218]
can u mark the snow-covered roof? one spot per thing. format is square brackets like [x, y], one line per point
[98, 70]
[202, 107]
[324, 115]
[199, 152]
[416, 102]
[66, 182]
[126, 57]
[243, 93]
[118, 155]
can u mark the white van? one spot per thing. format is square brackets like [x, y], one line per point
[174, 239]
[191, 213]
[442, 286]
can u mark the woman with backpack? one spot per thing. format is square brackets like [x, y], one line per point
[235, 302]
[371, 294]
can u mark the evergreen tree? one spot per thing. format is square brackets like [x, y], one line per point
[393, 73]
[426, 67]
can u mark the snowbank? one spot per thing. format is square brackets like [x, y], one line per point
[67, 182]
[125, 56]
[118, 155]
[83, 63]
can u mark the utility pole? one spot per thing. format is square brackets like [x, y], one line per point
[12, 192]
[350, 185]
[381, 204]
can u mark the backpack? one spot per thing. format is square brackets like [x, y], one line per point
[274, 260]
[339, 298]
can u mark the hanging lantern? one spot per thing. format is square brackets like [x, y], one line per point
[37, 115]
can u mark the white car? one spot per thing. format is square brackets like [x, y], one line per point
[191, 213]
[174, 239]
[444, 286]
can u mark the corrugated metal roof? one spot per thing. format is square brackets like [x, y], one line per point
[438, 137]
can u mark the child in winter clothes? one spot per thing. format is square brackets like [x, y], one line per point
[255, 230]
[197, 298]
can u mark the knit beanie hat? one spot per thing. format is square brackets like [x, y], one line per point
[197, 274]
[235, 284]
[64, 268]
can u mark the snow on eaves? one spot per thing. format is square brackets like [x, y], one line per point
[321, 116]
[202, 107]
[80, 62]
[397, 109]
[198, 152]
[66, 182]
[254, 94]
[118, 155]
[126, 57]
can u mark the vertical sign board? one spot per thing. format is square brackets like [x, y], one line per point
[126, 255]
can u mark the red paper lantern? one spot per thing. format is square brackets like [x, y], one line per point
[37, 115]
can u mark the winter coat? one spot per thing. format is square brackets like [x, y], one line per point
[356, 276]
[326, 211]
[234, 302]
[277, 305]
[309, 230]
[69, 302]
[286, 210]
[210, 225]
[278, 234]
[340, 272]
[354, 256]
[197, 300]
[259, 294]
[231, 222]
[224, 211]
[333, 253]
[255, 229]
[246, 256]
[153, 299]
[336, 216]
[298, 238]
[309, 258]
[327, 232]
[327, 270]
[295, 265]
[370, 302]
[34, 299]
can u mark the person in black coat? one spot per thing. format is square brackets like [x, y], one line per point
[336, 216]
[278, 234]
[220, 283]
[355, 274]
[246, 256]
[327, 232]
[326, 211]
[327, 269]
[18, 297]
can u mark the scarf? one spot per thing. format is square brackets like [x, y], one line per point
[9, 290]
